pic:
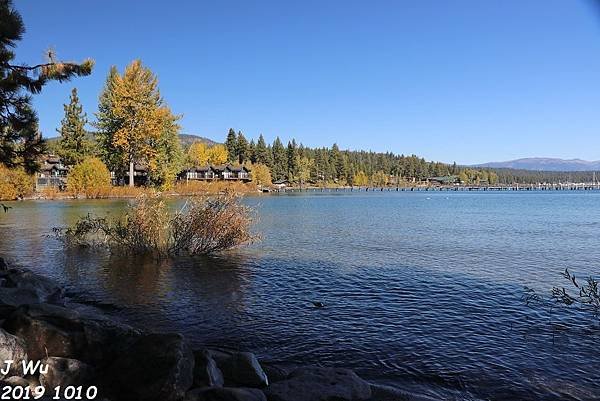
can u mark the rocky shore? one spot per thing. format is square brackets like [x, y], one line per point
[38, 323]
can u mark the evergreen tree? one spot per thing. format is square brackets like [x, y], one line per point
[279, 169]
[231, 145]
[74, 146]
[262, 154]
[252, 151]
[20, 140]
[292, 161]
[242, 148]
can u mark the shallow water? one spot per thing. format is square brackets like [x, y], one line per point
[422, 290]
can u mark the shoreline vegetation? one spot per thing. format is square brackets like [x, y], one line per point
[83, 347]
[202, 226]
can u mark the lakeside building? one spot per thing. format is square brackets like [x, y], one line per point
[211, 172]
[53, 173]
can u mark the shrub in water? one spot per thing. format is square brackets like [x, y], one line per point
[202, 226]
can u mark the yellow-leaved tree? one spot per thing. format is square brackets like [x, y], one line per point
[360, 179]
[261, 175]
[138, 123]
[198, 154]
[217, 154]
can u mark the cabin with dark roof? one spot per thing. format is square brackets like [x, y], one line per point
[53, 173]
[214, 173]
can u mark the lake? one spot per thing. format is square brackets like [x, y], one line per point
[422, 289]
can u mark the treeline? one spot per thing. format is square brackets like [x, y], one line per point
[299, 164]
[514, 176]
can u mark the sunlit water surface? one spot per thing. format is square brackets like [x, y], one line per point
[422, 290]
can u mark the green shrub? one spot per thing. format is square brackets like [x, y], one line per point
[90, 178]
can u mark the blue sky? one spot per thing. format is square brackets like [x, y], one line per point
[464, 80]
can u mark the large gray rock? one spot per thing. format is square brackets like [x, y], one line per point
[320, 384]
[18, 296]
[45, 289]
[206, 372]
[65, 372]
[48, 330]
[157, 367]
[12, 348]
[225, 394]
[243, 369]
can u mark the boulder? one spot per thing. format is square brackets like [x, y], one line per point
[157, 367]
[320, 384]
[243, 369]
[381, 392]
[225, 394]
[276, 371]
[48, 330]
[18, 296]
[12, 348]
[105, 341]
[206, 372]
[65, 372]
[46, 289]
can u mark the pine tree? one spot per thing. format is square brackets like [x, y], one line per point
[74, 145]
[292, 160]
[242, 148]
[20, 140]
[252, 151]
[262, 153]
[231, 145]
[279, 169]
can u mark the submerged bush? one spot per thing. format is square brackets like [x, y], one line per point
[202, 226]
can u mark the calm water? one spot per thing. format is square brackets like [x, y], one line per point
[422, 289]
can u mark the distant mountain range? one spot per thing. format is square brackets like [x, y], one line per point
[546, 164]
[185, 139]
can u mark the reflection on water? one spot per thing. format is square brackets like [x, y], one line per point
[421, 289]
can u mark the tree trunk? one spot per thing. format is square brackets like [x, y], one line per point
[131, 172]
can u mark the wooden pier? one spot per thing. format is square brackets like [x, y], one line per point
[456, 188]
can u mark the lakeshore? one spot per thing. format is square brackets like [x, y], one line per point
[51, 342]
[422, 289]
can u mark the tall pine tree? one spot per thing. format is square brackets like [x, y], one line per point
[20, 140]
[231, 145]
[242, 148]
[262, 154]
[74, 146]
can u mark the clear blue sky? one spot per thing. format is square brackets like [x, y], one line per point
[464, 80]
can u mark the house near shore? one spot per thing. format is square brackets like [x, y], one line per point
[444, 180]
[216, 173]
[281, 184]
[53, 173]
